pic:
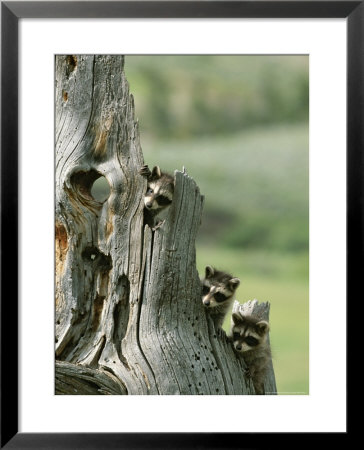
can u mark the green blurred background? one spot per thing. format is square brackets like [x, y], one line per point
[239, 124]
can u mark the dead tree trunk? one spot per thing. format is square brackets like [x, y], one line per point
[129, 316]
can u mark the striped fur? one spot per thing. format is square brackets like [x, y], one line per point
[159, 194]
[249, 336]
[218, 289]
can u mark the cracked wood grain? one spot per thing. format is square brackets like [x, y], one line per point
[74, 379]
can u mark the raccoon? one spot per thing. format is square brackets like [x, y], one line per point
[159, 195]
[218, 289]
[249, 335]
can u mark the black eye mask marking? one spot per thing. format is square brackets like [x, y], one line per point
[205, 290]
[163, 200]
[149, 191]
[251, 341]
[220, 297]
[236, 336]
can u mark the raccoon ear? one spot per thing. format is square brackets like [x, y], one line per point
[156, 172]
[234, 283]
[237, 318]
[209, 272]
[262, 327]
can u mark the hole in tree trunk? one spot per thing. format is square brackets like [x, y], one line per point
[83, 188]
[71, 64]
[100, 190]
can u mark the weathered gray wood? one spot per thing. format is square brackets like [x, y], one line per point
[75, 379]
[128, 300]
[261, 311]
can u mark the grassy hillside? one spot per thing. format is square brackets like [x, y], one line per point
[194, 95]
[255, 184]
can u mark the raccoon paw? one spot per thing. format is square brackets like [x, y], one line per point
[145, 171]
[220, 332]
[158, 224]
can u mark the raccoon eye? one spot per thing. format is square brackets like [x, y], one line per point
[220, 297]
[205, 290]
[149, 191]
[236, 336]
[163, 200]
[252, 342]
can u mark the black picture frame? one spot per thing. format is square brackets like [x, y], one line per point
[11, 12]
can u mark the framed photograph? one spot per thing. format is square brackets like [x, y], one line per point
[233, 172]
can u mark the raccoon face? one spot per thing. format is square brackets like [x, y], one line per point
[248, 333]
[159, 191]
[217, 287]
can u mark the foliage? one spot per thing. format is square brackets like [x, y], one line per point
[185, 96]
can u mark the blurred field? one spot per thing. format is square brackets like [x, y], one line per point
[193, 95]
[239, 124]
[255, 184]
[256, 179]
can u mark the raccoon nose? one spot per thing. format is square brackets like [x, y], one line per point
[206, 303]
[238, 347]
[149, 204]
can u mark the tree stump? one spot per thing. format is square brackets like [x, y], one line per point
[129, 315]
